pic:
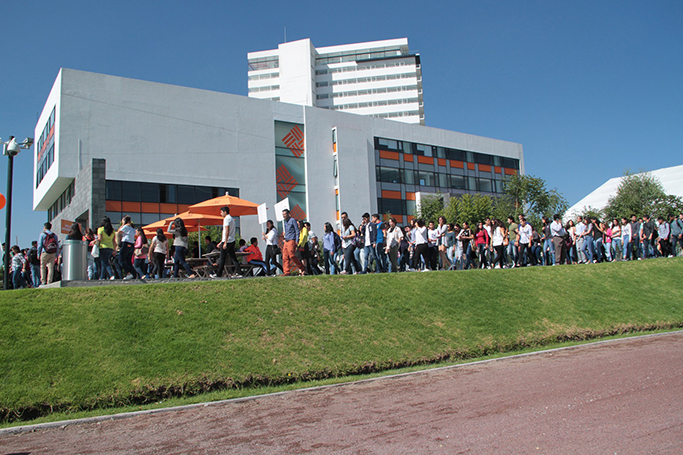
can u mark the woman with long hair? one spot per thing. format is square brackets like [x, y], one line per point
[481, 240]
[393, 242]
[158, 250]
[422, 245]
[141, 251]
[93, 262]
[75, 232]
[106, 239]
[497, 238]
[329, 248]
[271, 238]
[180, 243]
[348, 235]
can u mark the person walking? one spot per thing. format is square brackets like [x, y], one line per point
[48, 246]
[291, 234]
[180, 243]
[127, 235]
[227, 245]
[106, 240]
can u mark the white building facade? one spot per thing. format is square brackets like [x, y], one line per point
[380, 78]
[108, 145]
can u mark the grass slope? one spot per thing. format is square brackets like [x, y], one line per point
[78, 349]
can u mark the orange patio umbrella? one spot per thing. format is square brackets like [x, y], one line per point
[238, 207]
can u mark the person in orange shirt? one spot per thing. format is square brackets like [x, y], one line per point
[255, 257]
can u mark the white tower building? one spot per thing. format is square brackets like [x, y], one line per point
[380, 78]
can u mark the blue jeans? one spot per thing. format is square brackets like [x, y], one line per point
[616, 244]
[18, 279]
[35, 275]
[179, 259]
[588, 247]
[105, 269]
[369, 257]
[548, 252]
[381, 256]
[467, 256]
[330, 266]
[646, 248]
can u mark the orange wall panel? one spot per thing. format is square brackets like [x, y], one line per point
[149, 207]
[425, 159]
[510, 171]
[391, 194]
[398, 218]
[458, 164]
[441, 161]
[485, 168]
[410, 196]
[112, 206]
[408, 157]
[498, 170]
[388, 155]
[470, 166]
[130, 206]
[168, 208]
[183, 208]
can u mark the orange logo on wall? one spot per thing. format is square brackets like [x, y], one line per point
[285, 181]
[294, 140]
[297, 213]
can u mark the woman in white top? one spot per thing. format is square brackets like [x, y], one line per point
[497, 238]
[348, 236]
[422, 244]
[393, 240]
[626, 237]
[177, 228]
[271, 238]
[441, 230]
[158, 250]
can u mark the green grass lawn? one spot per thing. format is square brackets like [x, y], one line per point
[69, 350]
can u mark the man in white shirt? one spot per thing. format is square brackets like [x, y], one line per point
[579, 227]
[525, 233]
[557, 233]
[227, 245]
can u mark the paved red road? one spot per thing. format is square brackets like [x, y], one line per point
[619, 397]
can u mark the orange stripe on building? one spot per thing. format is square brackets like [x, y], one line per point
[441, 161]
[130, 206]
[458, 164]
[410, 196]
[408, 157]
[183, 208]
[425, 159]
[168, 208]
[337, 215]
[391, 194]
[112, 206]
[510, 171]
[398, 218]
[388, 155]
[149, 207]
[498, 170]
[484, 168]
[334, 148]
[410, 218]
[470, 166]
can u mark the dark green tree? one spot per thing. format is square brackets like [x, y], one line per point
[641, 194]
[528, 195]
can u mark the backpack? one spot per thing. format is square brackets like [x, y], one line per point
[33, 257]
[337, 241]
[50, 243]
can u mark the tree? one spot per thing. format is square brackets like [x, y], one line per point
[469, 207]
[430, 208]
[641, 194]
[529, 195]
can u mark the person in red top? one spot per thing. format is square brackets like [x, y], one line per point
[482, 240]
[255, 257]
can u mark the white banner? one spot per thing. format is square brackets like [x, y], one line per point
[279, 207]
[262, 214]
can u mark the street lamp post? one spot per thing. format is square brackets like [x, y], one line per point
[10, 148]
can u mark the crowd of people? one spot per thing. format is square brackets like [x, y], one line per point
[373, 246]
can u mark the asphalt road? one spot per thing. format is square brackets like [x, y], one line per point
[623, 397]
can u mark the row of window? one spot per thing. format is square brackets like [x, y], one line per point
[437, 179]
[344, 107]
[62, 201]
[374, 91]
[46, 161]
[46, 134]
[364, 67]
[354, 56]
[264, 63]
[396, 206]
[117, 190]
[268, 88]
[257, 77]
[398, 114]
[447, 153]
[388, 77]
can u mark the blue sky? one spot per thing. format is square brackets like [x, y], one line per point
[590, 88]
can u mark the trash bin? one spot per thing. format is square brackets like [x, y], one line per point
[75, 260]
